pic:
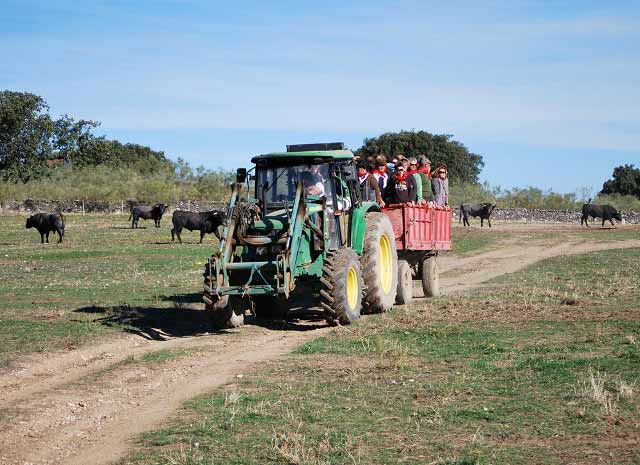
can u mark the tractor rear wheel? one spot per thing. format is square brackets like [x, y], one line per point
[342, 286]
[379, 263]
[405, 283]
[430, 276]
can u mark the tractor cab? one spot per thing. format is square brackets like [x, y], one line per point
[303, 238]
[327, 177]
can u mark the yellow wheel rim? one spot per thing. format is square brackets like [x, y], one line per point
[385, 264]
[352, 288]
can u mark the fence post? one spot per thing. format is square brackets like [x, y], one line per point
[83, 208]
[122, 207]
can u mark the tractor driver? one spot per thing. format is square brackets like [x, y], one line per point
[312, 185]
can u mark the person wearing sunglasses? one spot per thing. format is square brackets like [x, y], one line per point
[402, 186]
[440, 186]
[421, 194]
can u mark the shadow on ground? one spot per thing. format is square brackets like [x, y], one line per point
[160, 323]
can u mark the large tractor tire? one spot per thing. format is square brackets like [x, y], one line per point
[379, 263]
[405, 283]
[341, 296]
[430, 276]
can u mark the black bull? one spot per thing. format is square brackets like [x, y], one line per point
[606, 212]
[46, 223]
[147, 212]
[483, 210]
[205, 222]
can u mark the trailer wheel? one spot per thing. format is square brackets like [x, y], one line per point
[430, 276]
[341, 295]
[379, 263]
[405, 283]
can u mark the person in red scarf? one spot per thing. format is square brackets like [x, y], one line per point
[402, 186]
[369, 190]
[381, 172]
[425, 166]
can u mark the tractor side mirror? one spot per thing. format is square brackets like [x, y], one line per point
[241, 175]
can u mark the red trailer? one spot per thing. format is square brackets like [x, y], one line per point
[421, 233]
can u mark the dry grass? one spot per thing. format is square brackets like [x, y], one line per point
[594, 388]
[293, 448]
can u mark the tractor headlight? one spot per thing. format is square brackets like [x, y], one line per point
[276, 249]
[261, 251]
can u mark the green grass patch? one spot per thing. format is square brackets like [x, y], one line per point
[541, 380]
[57, 296]
[472, 240]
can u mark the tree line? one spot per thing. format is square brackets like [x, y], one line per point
[62, 159]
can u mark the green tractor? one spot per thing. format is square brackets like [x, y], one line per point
[301, 239]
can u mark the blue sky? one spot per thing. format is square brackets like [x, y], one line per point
[547, 92]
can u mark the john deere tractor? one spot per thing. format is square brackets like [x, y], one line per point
[301, 238]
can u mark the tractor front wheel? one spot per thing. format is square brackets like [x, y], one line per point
[341, 295]
[379, 263]
[227, 312]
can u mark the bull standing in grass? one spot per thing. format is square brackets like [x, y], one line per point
[483, 210]
[147, 212]
[46, 223]
[205, 222]
[606, 212]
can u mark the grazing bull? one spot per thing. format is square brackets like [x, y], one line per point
[606, 212]
[46, 223]
[482, 210]
[205, 222]
[147, 212]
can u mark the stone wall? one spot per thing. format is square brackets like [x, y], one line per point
[549, 216]
[79, 206]
[87, 206]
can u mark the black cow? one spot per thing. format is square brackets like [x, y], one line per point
[483, 210]
[606, 212]
[205, 222]
[46, 223]
[147, 212]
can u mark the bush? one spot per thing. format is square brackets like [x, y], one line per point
[534, 198]
[103, 183]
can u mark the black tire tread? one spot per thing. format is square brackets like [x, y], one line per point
[374, 298]
[333, 296]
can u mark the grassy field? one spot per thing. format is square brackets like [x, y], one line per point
[541, 366]
[104, 278]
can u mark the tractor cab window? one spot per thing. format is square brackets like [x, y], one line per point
[279, 184]
[343, 197]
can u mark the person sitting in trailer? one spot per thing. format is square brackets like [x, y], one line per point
[369, 188]
[402, 187]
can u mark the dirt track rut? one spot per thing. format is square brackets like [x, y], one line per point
[84, 406]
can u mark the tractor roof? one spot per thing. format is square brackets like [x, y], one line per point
[311, 156]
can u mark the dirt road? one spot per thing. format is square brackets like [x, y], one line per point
[84, 406]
